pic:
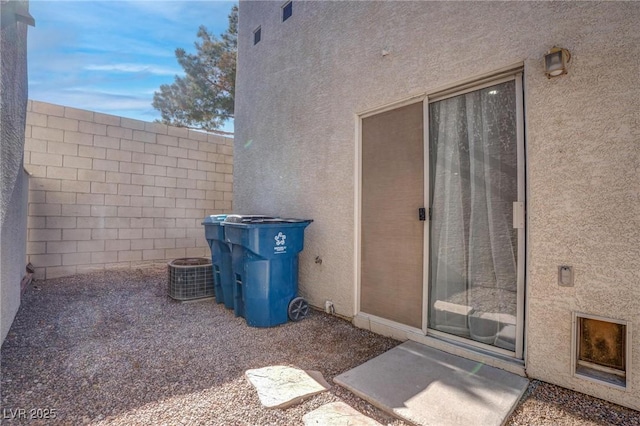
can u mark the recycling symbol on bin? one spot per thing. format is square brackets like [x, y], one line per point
[280, 239]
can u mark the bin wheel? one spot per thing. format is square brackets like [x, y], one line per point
[298, 309]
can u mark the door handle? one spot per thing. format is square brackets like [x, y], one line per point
[518, 215]
[422, 214]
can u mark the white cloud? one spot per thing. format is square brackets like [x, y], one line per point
[134, 68]
[184, 10]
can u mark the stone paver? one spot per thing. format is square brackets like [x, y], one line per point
[280, 386]
[337, 414]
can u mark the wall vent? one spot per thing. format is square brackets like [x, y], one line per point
[601, 349]
[287, 10]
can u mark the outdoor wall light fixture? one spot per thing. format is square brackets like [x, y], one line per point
[555, 62]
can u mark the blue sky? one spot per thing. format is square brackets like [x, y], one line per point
[110, 56]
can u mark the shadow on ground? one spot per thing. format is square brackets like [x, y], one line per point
[111, 347]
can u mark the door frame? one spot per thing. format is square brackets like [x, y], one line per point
[511, 72]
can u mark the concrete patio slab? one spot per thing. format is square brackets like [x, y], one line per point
[426, 386]
[280, 386]
[337, 414]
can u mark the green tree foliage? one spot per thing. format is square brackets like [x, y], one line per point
[204, 97]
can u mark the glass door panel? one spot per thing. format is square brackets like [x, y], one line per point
[473, 247]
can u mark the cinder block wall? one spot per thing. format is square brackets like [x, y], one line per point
[112, 192]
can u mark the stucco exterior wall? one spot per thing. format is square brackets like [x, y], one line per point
[111, 192]
[13, 182]
[12, 253]
[301, 87]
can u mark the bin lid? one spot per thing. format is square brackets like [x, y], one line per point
[258, 222]
[277, 220]
[214, 218]
[244, 218]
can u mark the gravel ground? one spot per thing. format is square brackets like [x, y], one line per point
[112, 348]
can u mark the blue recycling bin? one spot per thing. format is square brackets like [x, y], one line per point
[220, 259]
[264, 254]
[221, 256]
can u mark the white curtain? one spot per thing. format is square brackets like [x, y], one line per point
[473, 151]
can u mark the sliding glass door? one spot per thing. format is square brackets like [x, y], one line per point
[475, 161]
[441, 247]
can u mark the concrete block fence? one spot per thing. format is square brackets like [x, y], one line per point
[112, 192]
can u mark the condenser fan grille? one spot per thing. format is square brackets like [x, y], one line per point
[190, 278]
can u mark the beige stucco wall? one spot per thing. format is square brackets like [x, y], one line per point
[13, 179]
[112, 192]
[300, 88]
[13, 246]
